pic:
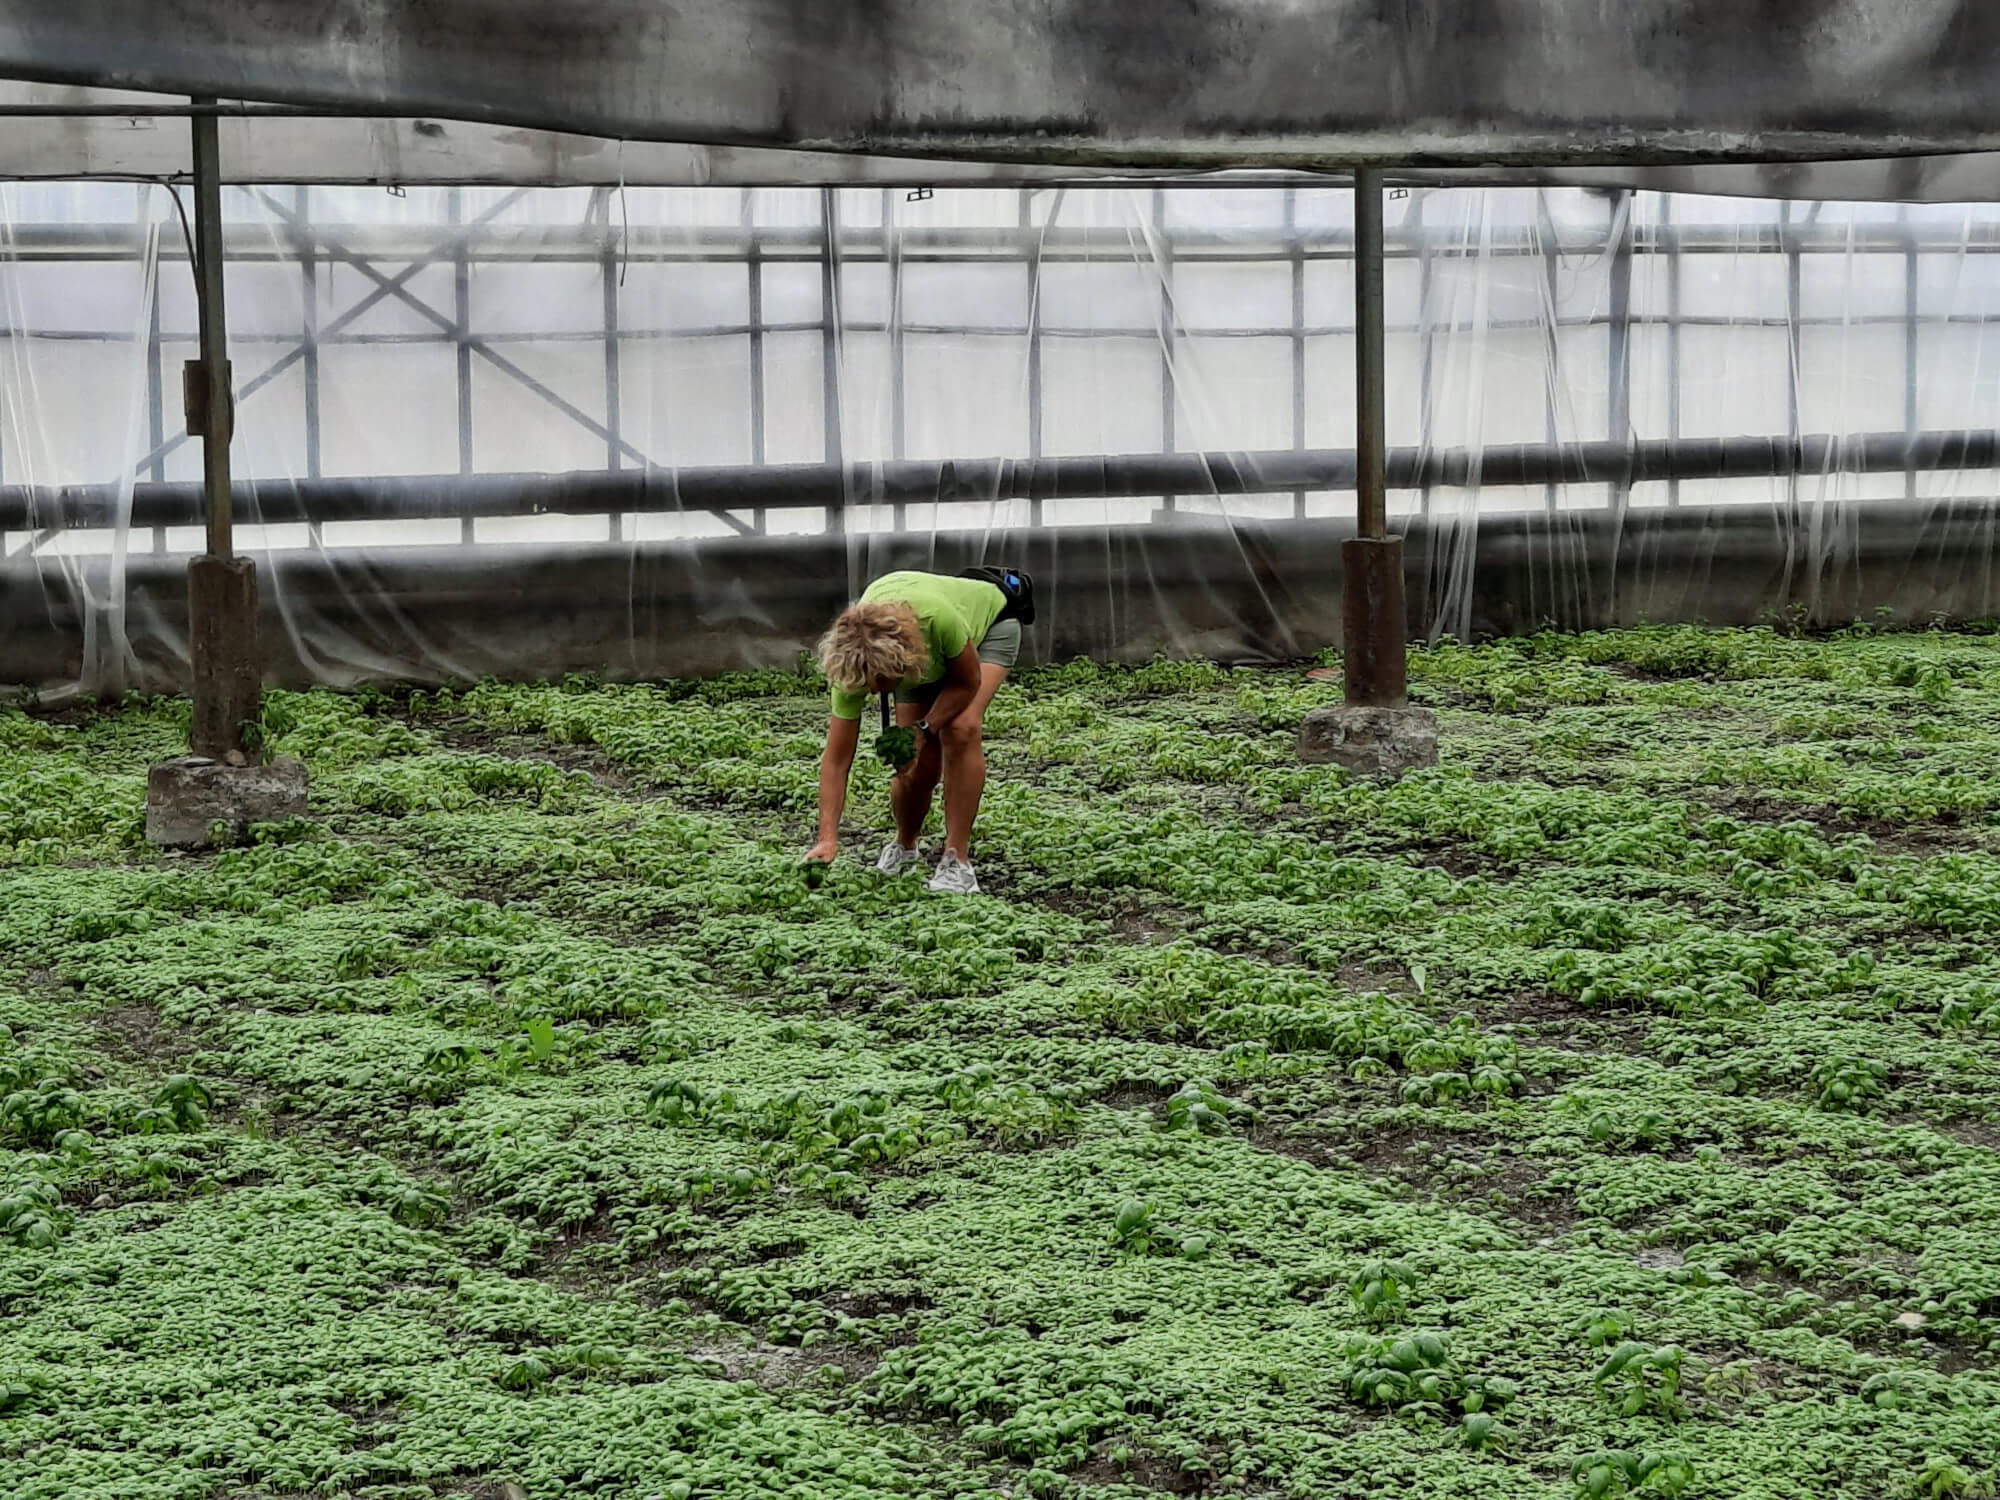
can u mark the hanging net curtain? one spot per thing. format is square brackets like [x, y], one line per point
[655, 430]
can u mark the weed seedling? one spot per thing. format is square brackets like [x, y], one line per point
[526, 1373]
[1603, 1476]
[1402, 1372]
[1847, 1083]
[186, 1100]
[1135, 1229]
[1200, 1108]
[1639, 1380]
[32, 1216]
[1376, 1291]
[1605, 1329]
[1947, 1479]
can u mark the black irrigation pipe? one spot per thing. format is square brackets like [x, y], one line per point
[921, 481]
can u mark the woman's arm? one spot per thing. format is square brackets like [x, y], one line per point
[842, 735]
[961, 686]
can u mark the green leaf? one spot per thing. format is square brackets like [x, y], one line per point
[1133, 1216]
[541, 1039]
[896, 747]
[1619, 1358]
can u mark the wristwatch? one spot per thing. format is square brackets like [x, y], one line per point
[923, 726]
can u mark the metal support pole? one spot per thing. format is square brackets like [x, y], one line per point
[461, 291]
[309, 339]
[832, 420]
[1373, 631]
[1163, 259]
[1036, 388]
[156, 397]
[1551, 251]
[1420, 201]
[1618, 331]
[222, 588]
[1371, 428]
[614, 400]
[892, 255]
[1910, 428]
[216, 408]
[1295, 245]
[1674, 266]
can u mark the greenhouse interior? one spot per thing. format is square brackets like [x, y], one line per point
[755, 752]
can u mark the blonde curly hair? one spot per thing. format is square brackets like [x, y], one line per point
[870, 641]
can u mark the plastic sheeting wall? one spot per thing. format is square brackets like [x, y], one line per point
[464, 332]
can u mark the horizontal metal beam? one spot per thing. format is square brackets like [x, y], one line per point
[957, 244]
[199, 110]
[921, 481]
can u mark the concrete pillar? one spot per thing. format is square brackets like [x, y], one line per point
[222, 639]
[1374, 650]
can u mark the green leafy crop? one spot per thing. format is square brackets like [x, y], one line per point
[1639, 1379]
[1614, 1473]
[1377, 1290]
[1607, 1110]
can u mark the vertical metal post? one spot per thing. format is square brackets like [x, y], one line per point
[309, 346]
[1025, 203]
[222, 588]
[309, 265]
[1790, 242]
[892, 256]
[829, 308]
[214, 332]
[461, 336]
[1909, 344]
[1295, 247]
[1551, 252]
[1618, 330]
[1373, 630]
[614, 399]
[754, 257]
[1426, 331]
[156, 396]
[1168, 394]
[1370, 381]
[1674, 264]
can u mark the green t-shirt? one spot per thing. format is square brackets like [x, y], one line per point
[952, 613]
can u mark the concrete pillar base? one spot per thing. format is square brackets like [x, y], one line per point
[192, 800]
[1369, 741]
[222, 642]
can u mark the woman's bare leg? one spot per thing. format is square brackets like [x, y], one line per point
[965, 763]
[911, 789]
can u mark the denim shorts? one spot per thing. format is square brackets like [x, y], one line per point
[1001, 647]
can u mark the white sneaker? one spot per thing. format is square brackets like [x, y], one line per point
[955, 875]
[896, 859]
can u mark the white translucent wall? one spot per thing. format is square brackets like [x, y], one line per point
[467, 331]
